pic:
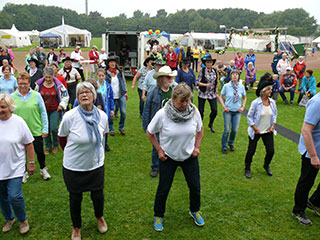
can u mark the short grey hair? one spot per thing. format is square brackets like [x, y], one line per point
[49, 71]
[8, 100]
[264, 89]
[88, 85]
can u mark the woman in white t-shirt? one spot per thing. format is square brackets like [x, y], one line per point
[180, 131]
[83, 158]
[16, 139]
[262, 117]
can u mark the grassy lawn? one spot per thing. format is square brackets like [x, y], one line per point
[233, 207]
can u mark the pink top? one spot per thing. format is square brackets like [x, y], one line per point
[11, 54]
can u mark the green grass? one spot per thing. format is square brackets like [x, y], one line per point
[94, 41]
[233, 207]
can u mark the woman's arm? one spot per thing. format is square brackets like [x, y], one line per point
[155, 143]
[136, 77]
[244, 99]
[196, 150]
[30, 152]
[308, 142]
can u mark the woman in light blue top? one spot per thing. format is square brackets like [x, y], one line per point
[8, 83]
[262, 117]
[308, 85]
[233, 92]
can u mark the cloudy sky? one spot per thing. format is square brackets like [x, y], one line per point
[114, 8]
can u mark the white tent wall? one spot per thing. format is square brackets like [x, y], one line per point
[14, 37]
[218, 39]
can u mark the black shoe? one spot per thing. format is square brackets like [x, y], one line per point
[311, 206]
[268, 170]
[154, 173]
[107, 148]
[247, 173]
[212, 129]
[302, 218]
[224, 151]
[231, 148]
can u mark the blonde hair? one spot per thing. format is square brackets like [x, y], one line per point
[182, 90]
[8, 100]
[24, 75]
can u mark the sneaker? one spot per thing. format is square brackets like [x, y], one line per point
[268, 170]
[47, 151]
[24, 227]
[302, 218]
[112, 134]
[102, 225]
[122, 132]
[76, 234]
[231, 148]
[25, 177]
[198, 219]
[247, 173]
[313, 207]
[154, 173]
[8, 225]
[107, 148]
[44, 173]
[55, 149]
[224, 151]
[158, 224]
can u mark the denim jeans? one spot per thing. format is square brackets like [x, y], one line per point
[282, 91]
[122, 105]
[155, 156]
[53, 118]
[190, 168]
[11, 198]
[141, 103]
[230, 118]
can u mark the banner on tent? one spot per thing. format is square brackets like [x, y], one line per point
[6, 36]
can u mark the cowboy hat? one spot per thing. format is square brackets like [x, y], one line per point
[165, 71]
[111, 58]
[262, 84]
[67, 59]
[33, 60]
[209, 58]
[158, 62]
[148, 59]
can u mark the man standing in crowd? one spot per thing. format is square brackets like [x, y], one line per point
[94, 56]
[76, 58]
[275, 61]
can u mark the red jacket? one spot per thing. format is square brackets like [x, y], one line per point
[172, 60]
[94, 56]
[299, 69]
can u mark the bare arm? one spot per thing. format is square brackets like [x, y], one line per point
[221, 100]
[136, 77]
[196, 150]
[244, 98]
[30, 153]
[308, 142]
[155, 143]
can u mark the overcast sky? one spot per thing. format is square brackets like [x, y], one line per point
[114, 8]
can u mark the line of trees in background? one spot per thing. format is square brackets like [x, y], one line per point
[29, 16]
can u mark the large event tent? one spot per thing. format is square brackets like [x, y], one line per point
[70, 36]
[14, 37]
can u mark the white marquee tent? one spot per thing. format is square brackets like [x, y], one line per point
[70, 36]
[14, 37]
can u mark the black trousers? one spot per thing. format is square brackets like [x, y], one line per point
[213, 107]
[307, 177]
[75, 200]
[195, 64]
[267, 139]
[190, 168]
[81, 73]
[38, 148]
[72, 89]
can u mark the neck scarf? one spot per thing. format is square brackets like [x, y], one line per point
[235, 91]
[114, 70]
[177, 116]
[92, 120]
[33, 72]
[67, 71]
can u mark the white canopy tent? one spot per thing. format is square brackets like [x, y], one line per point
[14, 37]
[70, 36]
[216, 39]
[317, 40]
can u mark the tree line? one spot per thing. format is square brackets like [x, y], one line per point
[29, 16]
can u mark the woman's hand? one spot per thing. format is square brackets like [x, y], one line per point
[241, 109]
[271, 129]
[132, 87]
[209, 85]
[31, 168]
[161, 154]
[111, 113]
[315, 162]
[143, 97]
[256, 131]
[196, 152]
[44, 135]
[225, 109]
[126, 94]
[59, 108]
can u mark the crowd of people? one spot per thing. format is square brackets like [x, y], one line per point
[48, 101]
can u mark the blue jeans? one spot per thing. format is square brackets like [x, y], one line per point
[234, 119]
[190, 168]
[282, 91]
[53, 118]
[122, 105]
[155, 156]
[11, 198]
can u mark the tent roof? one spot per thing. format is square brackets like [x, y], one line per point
[66, 29]
[211, 36]
[50, 35]
[317, 40]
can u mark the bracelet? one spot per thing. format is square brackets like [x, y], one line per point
[31, 162]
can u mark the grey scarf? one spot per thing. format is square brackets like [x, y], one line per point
[177, 116]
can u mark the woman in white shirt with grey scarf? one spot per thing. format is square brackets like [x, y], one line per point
[262, 117]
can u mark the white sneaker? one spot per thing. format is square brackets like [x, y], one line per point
[25, 177]
[45, 174]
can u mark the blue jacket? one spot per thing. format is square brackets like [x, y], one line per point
[274, 63]
[152, 106]
[122, 81]
[188, 78]
[312, 84]
[254, 113]
[250, 59]
[107, 94]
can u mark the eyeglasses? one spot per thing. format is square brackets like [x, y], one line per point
[85, 93]
[23, 84]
